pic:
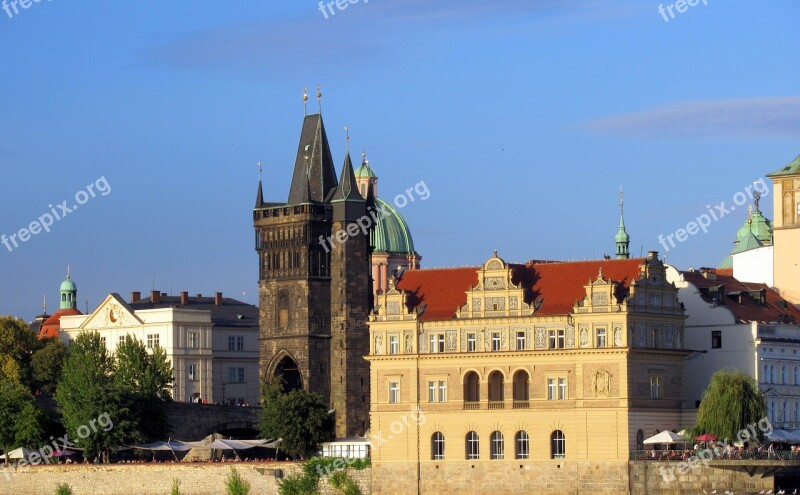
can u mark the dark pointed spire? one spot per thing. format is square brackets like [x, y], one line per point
[348, 189]
[260, 193]
[314, 177]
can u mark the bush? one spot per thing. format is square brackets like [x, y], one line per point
[63, 489]
[297, 484]
[236, 485]
[176, 487]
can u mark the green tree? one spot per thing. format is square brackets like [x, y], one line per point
[235, 484]
[301, 419]
[17, 344]
[85, 392]
[63, 489]
[19, 418]
[730, 403]
[144, 381]
[46, 364]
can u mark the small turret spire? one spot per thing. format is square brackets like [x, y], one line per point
[623, 240]
[260, 193]
[305, 102]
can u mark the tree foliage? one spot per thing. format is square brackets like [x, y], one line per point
[19, 418]
[301, 419]
[730, 403]
[85, 393]
[46, 365]
[17, 344]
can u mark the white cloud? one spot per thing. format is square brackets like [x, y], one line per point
[777, 117]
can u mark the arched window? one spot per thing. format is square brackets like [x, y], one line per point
[521, 387]
[437, 446]
[496, 387]
[639, 440]
[473, 446]
[558, 445]
[498, 446]
[472, 391]
[522, 445]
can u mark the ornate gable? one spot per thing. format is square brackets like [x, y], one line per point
[496, 295]
[112, 312]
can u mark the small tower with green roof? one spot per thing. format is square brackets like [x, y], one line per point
[623, 239]
[69, 293]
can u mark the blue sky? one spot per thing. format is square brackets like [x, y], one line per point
[523, 117]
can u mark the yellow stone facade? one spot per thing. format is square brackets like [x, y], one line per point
[786, 232]
[502, 389]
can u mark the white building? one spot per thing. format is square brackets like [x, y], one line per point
[746, 326]
[212, 342]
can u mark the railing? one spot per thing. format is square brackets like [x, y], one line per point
[720, 455]
[495, 405]
[522, 404]
[471, 406]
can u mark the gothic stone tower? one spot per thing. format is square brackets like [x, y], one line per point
[314, 283]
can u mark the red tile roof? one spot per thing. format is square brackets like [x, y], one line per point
[776, 309]
[51, 326]
[558, 284]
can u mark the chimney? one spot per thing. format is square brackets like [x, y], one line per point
[184, 298]
[155, 297]
[218, 299]
[135, 296]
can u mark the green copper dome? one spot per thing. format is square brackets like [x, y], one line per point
[760, 227]
[391, 233]
[365, 171]
[68, 286]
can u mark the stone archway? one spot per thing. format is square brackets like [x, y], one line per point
[287, 369]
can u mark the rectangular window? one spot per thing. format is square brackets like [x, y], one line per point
[556, 339]
[472, 344]
[716, 339]
[437, 343]
[235, 375]
[437, 391]
[235, 343]
[432, 391]
[152, 341]
[103, 340]
[193, 376]
[601, 337]
[122, 339]
[521, 341]
[656, 391]
[193, 340]
[394, 344]
[394, 392]
[442, 391]
[552, 389]
[562, 389]
[495, 341]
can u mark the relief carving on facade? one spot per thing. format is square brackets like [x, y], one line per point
[601, 384]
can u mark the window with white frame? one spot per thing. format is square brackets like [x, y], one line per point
[437, 343]
[193, 373]
[153, 341]
[521, 344]
[394, 392]
[556, 339]
[394, 344]
[558, 445]
[193, 340]
[497, 444]
[473, 446]
[496, 346]
[656, 391]
[437, 446]
[437, 391]
[522, 442]
[472, 342]
[562, 389]
[601, 337]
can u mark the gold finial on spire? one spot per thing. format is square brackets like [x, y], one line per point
[364, 155]
[305, 101]
[621, 197]
[319, 97]
[347, 136]
[69, 277]
[750, 211]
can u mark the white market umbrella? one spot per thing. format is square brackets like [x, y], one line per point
[665, 437]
